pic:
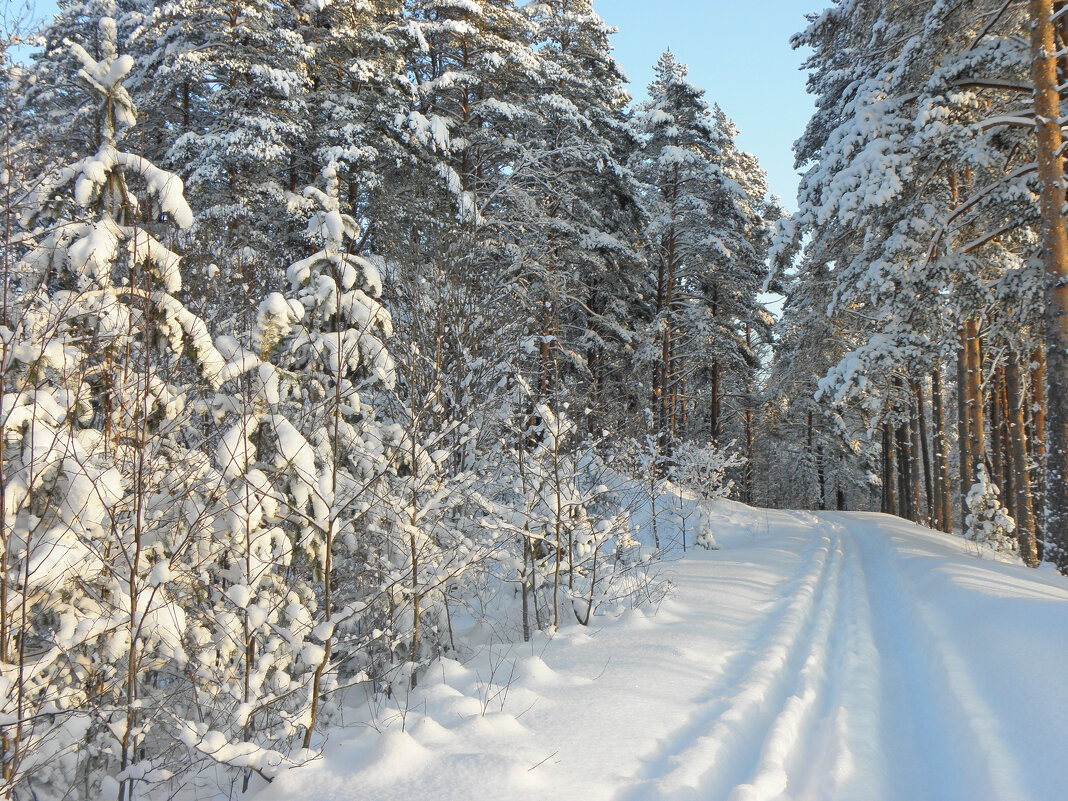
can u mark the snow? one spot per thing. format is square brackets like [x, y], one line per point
[108, 73]
[181, 325]
[167, 187]
[235, 449]
[430, 131]
[295, 454]
[830, 656]
[58, 556]
[95, 247]
[274, 320]
[216, 745]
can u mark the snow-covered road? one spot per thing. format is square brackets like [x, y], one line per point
[831, 656]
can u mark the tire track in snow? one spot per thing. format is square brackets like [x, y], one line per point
[701, 759]
[896, 712]
[850, 691]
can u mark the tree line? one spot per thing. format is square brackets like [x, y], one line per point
[925, 272]
[325, 327]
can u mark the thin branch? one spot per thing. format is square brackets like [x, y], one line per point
[989, 26]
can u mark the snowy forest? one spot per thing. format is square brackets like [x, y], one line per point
[337, 332]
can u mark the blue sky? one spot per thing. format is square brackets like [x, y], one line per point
[739, 52]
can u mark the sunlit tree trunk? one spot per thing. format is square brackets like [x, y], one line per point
[915, 514]
[1055, 247]
[964, 438]
[904, 471]
[1038, 443]
[1008, 485]
[888, 469]
[997, 471]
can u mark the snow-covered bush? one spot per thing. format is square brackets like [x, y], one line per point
[434, 536]
[574, 534]
[702, 469]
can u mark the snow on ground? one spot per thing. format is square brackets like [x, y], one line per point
[831, 656]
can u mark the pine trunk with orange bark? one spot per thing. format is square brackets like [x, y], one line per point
[1055, 257]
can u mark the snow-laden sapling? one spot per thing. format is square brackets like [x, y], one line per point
[303, 456]
[701, 470]
[574, 536]
[103, 499]
[433, 533]
[988, 522]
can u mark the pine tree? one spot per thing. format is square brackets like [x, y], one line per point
[581, 204]
[734, 324]
[987, 522]
[362, 102]
[916, 195]
[1046, 81]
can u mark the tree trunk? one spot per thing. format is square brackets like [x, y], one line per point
[964, 438]
[808, 440]
[815, 453]
[1055, 246]
[973, 378]
[914, 464]
[941, 455]
[747, 470]
[680, 403]
[973, 402]
[1038, 444]
[821, 475]
[714, 424]
[658, 367]
[904, 471]
[1025, 519]
[543, 350]
[928, 483]
[667, 300]
[997, 472]
[1008, 487]
[888, 470]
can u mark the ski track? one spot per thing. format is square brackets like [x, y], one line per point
[850, 690]
[748, 721]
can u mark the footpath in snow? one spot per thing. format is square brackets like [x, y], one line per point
[831, 656]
